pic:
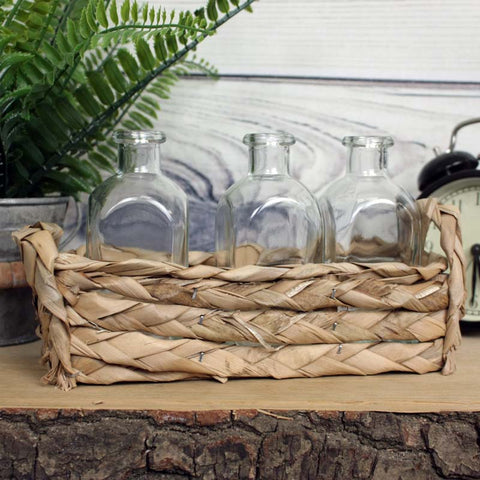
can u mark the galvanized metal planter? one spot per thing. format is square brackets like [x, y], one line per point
[17, 314]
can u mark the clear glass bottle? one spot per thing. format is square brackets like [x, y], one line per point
[376, 220]
[327, 240]
[138, 213]
[268, 217]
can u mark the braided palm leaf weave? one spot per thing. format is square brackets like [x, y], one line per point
[140, 320]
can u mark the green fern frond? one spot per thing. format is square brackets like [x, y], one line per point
[67, 79]
[196, 65]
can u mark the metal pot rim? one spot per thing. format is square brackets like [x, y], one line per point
[33, 201]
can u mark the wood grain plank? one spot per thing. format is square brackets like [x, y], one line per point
[205, 121]
[363, 39]
[20, 388]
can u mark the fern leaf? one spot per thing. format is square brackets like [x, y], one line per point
[87, 101]
[125, 11]
[223, 6]
[32, 73]
[160, 48]
[200, 13]
[114, 75]
[69, 113]
[144, 54]
[101, 14]
[90, 16]
[13, 123]
[142, 120]
[81, 168]
[43, 64]
[212, 12]
[134, 11]
[6, 40]
[11, 95]
[62, 44]
[52, 54]
[41, 7]
[146, 109]
[159, 91]
[149, 100]
[35, 21]
[100, 87]
[67, 183]
[84, 27]
[108, 150]
[48, 115]
[199, 66]
[21, 170]
[168, 78]
[14, 59]
[72, 35]
[128, 64]
[44, 137]
[101, 160]
[172, 44]
[113, 12]
[31, 152]
[131, 125]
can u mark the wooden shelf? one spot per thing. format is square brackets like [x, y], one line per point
[20, 387]
[388, 426]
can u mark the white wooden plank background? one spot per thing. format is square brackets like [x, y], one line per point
[402, 40]
[367, 39]
[205, 121]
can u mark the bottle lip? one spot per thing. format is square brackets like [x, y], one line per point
[139, 136]
[367, 141]
[278, 138]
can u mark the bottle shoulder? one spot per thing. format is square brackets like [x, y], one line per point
[261, 188]
[350, 196]
[138, 188]
[135, 183]
[371, 186]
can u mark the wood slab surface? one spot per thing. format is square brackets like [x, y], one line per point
[21, 387]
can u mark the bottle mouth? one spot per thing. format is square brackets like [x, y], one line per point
[367, 141]
[138, 136]
[282, 139]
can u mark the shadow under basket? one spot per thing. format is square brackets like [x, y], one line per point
[139, 320]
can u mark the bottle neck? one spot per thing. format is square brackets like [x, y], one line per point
[269, 160]
[139, 158]
[367, 160]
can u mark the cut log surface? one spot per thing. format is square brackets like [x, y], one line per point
[386, 426]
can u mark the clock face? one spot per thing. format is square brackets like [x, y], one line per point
[465, 195]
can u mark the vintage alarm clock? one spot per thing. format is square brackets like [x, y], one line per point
[453, 178]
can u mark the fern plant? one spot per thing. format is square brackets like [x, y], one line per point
[69, 76]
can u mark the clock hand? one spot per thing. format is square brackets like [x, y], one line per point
[475, 251]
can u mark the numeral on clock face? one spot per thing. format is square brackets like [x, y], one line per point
[465, 195]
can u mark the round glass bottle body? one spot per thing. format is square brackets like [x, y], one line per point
[138, 213]
[268, 217]
[376, 220]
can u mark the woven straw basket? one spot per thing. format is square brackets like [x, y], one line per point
[137, 320]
